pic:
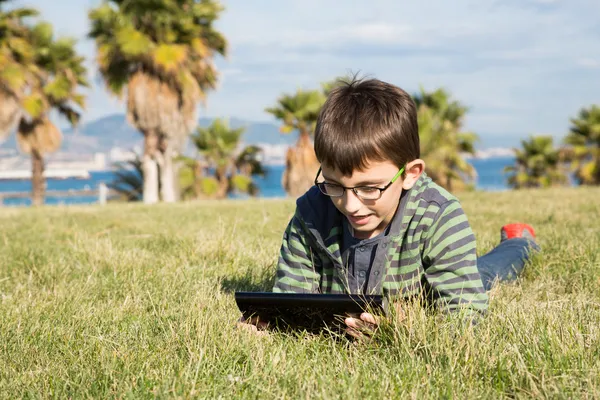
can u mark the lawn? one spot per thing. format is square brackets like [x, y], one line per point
[128, 300]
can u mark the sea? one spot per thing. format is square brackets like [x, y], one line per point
[489, 171]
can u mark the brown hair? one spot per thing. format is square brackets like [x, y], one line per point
[366, 120]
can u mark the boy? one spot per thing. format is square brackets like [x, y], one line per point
[374, 223]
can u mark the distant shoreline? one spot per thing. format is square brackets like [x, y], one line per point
[490, 178]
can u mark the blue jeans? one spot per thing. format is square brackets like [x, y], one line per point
[506, 261]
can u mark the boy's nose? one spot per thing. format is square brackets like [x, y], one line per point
[351, 202]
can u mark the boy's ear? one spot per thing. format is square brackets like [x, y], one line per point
[413, 171]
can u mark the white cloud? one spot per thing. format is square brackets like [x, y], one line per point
[378, 32]
[231, 71]
[589, 63]
[522, 65]
[366, 33]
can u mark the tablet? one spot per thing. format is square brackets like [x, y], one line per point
[310, 312]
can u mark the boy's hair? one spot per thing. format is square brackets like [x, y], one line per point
[366, 120]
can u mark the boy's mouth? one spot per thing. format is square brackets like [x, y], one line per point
[359, 219]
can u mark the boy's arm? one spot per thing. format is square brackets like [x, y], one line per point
[451, 262]
[296, 267]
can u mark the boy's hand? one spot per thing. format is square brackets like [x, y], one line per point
[362, 326]
[253, 325]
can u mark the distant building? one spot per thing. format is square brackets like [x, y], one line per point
[273, 154]
[118, 154]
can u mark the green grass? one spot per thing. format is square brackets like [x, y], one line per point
[135, 301]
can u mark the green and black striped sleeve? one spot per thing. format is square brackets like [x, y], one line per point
[296, 269]
[450, 262]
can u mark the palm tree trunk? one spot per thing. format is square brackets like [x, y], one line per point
[221, 175]
[301, 167]
[198, 175]
[150, 167]
[38, 183]
[167, 173]
[9, 113]
[176, 166]
[596, 173]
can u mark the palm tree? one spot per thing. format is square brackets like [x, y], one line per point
[59, 72]
[443, 143]
[232, 170]
[16, 64]
[537, 164]
[248, 162]
[160, 53]
[299, 112]
[584, 139]
[128, 184]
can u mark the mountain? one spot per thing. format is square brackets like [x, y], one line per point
[106, 133]
[113, 131]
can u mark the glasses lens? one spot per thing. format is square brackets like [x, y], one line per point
[368, 193]
[330, 189]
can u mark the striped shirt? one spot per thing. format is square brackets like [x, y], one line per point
[430, 251]
[358, 255]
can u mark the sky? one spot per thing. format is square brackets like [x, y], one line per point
[523, 67]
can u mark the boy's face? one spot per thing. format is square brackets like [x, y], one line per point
[369, 218]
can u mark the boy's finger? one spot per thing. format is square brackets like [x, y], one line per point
[353, 322]
[355, 333]
[370, 318]
[246, 326]
[360, 325]
[358, 335]
[259, 331]
[256, 322]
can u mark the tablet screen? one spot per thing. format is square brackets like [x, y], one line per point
[311, 312]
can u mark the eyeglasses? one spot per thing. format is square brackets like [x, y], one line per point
[363, 192]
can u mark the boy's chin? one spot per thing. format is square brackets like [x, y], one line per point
[365, 231]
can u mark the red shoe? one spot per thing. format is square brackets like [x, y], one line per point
[517, 230]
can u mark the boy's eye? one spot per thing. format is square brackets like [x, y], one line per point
[367, 189]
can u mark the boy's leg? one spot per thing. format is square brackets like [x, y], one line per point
[507, 260]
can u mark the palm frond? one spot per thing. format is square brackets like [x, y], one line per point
[228, 167]
[129, 180]
[537, 164]
[443, 144]
[584, 136]
[171, 43]
[298, 111]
